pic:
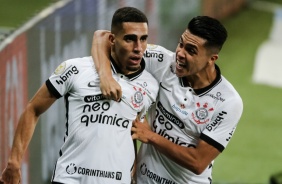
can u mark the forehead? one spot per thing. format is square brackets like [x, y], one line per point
[135, 28]
[188, 38]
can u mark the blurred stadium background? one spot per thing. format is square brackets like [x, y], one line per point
[35, 36]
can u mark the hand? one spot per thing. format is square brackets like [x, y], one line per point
[141, 131]
[11, 175]
[110, 88]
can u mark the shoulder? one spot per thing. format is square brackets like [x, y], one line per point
[148, 77]
[158, 52]
[81, 61]
[76, 64]
[148, 82]
[231, 96]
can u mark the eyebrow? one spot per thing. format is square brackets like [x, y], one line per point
[134, 36]
[189, 45]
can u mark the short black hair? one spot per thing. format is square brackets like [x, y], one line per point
[209, 29]
[127, 14]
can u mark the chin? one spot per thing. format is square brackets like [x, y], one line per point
[178, 74]
[133, 69]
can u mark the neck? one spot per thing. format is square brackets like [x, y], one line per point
[122, 68]
[203, 79]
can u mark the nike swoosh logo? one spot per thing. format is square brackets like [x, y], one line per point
[92, 84]
[164, 87]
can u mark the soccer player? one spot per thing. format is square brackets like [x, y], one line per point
[196, 112]
[98, 147]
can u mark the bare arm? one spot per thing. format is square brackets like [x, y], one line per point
[194, 159]
[100, 52]
[25, 128]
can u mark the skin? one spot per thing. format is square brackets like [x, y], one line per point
[42, 100]
[194, 62]
[127, 46]
[130, 43]
[197, 65]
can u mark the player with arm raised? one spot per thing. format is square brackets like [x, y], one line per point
[197, 109]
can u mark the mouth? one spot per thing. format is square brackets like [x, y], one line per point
[135, 59]
[179, 64]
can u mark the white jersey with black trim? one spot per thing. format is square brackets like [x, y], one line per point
[98, 147]
[183, 116]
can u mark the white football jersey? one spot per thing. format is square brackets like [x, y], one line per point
[98, 147]
[183, 116]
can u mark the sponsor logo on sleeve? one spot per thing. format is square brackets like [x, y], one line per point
[218, 120]
[230, 134]
[72, 70]
[154, 54]
[151, 46]
[60, 69]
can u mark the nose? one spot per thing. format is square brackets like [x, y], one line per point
[138, 46]
[180, 52]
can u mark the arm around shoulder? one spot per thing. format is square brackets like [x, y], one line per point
[100, 52]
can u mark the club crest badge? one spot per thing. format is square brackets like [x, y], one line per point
[200, 116]
[137, 98]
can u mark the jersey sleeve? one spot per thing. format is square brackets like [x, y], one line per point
[158, 59]
[223, 124]
[61, 81]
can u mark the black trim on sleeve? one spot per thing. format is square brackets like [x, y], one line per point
[212, 142]
[52, 89]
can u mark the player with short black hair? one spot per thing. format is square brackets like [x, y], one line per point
[196, 112]
[97, 147]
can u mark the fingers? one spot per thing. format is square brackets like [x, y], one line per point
[112, 94]
[116, 96]
[119, 94]
[134, 137]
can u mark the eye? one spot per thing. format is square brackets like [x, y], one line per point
[129, 38]
[144, 38]
[191, 51]
[180, 44]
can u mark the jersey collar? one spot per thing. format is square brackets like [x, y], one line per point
[184, 83]
[132, 76]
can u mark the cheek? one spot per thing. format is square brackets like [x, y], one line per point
[144, 46]
[122, 50]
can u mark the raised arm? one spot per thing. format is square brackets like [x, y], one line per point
[24, 132]
[100, 52]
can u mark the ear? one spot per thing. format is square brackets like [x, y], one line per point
[112, 39]
[213, 58]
